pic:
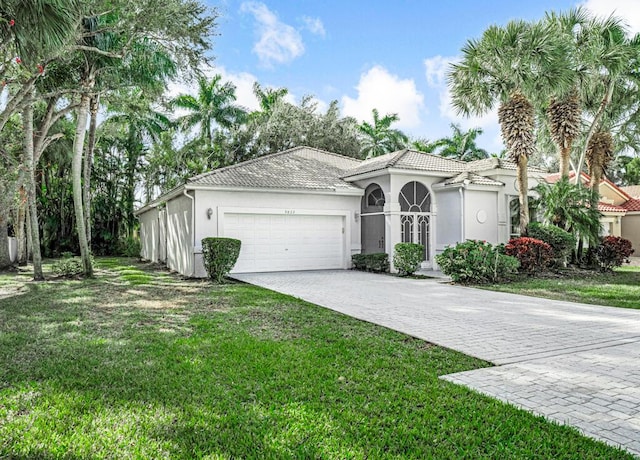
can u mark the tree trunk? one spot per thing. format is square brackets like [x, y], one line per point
[565, 160]
[88, 162]
[594, 125]
[29, 238]
[19, 228]
[523, 197]
[76, 172]
[31, 191]
[5, 259]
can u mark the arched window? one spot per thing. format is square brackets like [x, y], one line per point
[373, 200]
[414, 197]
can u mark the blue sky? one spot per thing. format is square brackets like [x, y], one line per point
[365, 54]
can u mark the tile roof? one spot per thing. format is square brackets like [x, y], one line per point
[632, 190]
[606, 207]
[421, 161]
[497, 163]
[408, 159]
[632, 205]
[471, 178]
[301, 168]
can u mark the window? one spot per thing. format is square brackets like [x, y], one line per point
[373, 199]
[414, 197]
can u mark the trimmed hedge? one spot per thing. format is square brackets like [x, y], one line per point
[219, 256]
[613, 251]
[407, 258]
[476, 262]
[561, 241]
[376, 262]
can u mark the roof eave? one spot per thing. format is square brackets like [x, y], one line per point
[225, 188]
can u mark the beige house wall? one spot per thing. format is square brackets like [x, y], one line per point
[630, 229]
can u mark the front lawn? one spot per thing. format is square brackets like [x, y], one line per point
[618, 289]
[141, 364]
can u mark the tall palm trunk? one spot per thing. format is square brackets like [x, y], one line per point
[606, 100]
[88, 162]
[31, 191]
[76, 172]
[516, 118]
[523, 196]
[564, 123]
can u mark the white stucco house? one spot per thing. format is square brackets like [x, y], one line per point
[307, 209]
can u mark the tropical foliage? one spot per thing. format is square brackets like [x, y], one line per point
[379, 137]
[569, 207]
[476, 262]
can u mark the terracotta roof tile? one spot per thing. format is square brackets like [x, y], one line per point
[606, 207]
[632, 205]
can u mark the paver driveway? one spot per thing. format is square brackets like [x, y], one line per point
[574, 363]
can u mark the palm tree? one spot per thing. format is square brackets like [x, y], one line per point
[462, 145]
[379, 138]
[509, 66]
[599, 156]
[212, 107]
[612, 62]
[267, 98]
[137, 124]
[570, 207]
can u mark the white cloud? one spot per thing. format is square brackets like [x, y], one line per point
[278, 42]
[314, 25]
[388, 93]
[435, 70]
[628, 10]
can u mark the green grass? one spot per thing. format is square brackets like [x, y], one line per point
[182, 369]
[618, 289]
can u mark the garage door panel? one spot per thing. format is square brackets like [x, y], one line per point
[286, 242]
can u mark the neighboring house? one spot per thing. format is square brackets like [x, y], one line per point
[619, 207]
[306, 209]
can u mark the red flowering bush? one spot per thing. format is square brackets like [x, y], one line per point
[613, 251]
[533, 254]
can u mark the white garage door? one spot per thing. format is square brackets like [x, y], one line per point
[286, 242]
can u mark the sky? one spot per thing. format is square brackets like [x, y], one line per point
[389, 55]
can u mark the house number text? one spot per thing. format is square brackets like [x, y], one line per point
[289, 211]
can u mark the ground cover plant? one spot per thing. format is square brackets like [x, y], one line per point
[619, 288]
[173, 368]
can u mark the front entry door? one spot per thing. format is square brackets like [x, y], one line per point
[415, 229]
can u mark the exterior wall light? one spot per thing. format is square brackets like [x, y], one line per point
[209, 213]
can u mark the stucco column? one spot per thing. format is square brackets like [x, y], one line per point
[393, 232]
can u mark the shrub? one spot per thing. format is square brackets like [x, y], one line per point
[69, 266]
[476, 262]
[219, 256]
[613, 251]
[533, 254]
[129, 247]
[561, 241]
[377, 262]
[407, 257]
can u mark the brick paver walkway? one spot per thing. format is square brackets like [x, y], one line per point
[574, 363]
